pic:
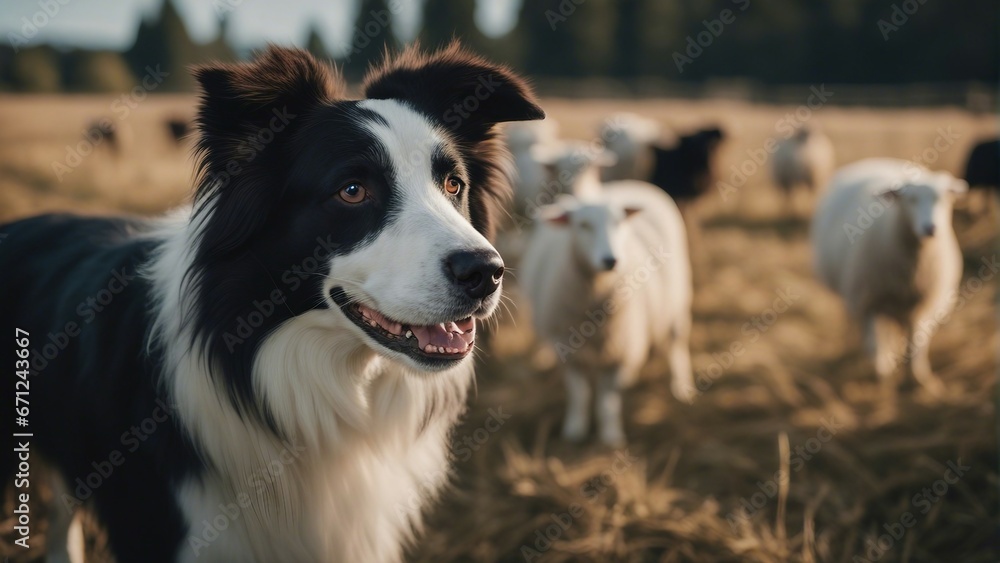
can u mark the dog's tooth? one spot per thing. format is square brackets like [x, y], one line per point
[409, 334]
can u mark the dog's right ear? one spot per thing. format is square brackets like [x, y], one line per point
[247, 113]
[459, 90]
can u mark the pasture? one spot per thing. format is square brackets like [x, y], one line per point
[789, 453]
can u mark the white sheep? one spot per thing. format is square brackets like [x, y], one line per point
[630, 137]
[572, 167]
[522, 138]
[884, 241]
[569, 167]
[608, 280]
[805, 159]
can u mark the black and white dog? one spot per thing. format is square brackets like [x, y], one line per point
[272, 375]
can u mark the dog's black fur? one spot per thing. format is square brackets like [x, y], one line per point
[266, 203]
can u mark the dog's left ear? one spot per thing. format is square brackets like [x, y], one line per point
[246, 114]
[461, 91]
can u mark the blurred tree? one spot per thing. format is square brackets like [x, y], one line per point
[165, 42]
[218, 49]
[98, 71]
[371, 36]
[781, 42]
[36, 69]
[447, 19]
[568, 38]
[645, 32]
[315, 45]
[628, 40]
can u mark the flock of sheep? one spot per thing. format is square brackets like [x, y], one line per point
[600, 248]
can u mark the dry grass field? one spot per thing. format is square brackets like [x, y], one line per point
[862, 480]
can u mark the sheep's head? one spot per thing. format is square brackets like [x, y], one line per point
[700, 148]
[522, 135]
[627, 131]
[926, 201]
[572, 166]
[595, 227]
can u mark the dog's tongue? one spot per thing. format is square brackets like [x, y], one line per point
[451, 337]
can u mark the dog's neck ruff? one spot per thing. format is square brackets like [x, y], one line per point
[362, 441]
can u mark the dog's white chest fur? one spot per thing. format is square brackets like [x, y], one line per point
[367, 448]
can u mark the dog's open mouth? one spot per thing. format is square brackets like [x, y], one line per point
[448, 341]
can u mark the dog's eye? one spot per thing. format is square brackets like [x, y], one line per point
[453, 185]
[353, 193]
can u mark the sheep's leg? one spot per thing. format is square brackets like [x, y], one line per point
[681, 379]
[920, 362]
[791, 202]
[609, 410]
[577, 420]
[879, 342]
[64, 542]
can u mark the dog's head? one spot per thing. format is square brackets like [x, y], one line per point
[378, 209]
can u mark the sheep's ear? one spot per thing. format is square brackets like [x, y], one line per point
[545, 154]
[460, 90]
[716, 133]
[892, 193]
[554, 214]
[631, 210]
[659, 150]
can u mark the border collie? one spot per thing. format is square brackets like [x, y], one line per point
[272, 374]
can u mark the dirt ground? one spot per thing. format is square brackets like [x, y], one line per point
[861, 479]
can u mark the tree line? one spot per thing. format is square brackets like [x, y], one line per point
[774, 41]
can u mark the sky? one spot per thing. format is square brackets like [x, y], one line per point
[112, 24]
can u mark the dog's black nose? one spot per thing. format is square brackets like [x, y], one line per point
[610, 262]
[477, 272]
